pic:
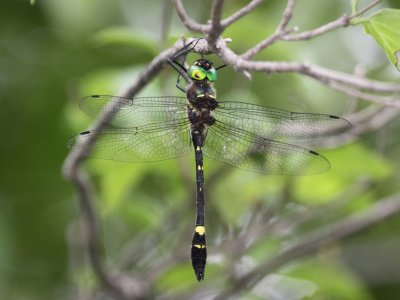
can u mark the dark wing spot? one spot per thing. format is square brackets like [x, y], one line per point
[333, 117]
[313, 152]
[95, 96]
[85, 132]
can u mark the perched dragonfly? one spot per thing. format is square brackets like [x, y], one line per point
[250, 137]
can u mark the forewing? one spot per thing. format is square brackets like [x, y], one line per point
[135, 112]
[250, 152]
[140, 144]
[279, 124]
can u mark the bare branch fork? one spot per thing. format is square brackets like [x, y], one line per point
[349, 84]
[385, 93]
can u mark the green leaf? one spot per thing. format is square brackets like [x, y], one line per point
[384, 27]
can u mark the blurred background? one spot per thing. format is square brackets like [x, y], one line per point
[55, 52]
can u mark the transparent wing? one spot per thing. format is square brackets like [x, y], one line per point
[250, 152]
[279, 124]
[137, 111]
[149, 143]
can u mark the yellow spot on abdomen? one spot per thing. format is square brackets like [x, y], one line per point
[200, 230]
[199, 246]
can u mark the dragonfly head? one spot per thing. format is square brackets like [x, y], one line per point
[202, 70]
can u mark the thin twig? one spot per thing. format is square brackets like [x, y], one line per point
[376, 121]
[367, 113]
[306, 35]
[366, 8]
[388, 101]
[265, 43]
[190, 24]
[310, 244]
[216, 14]
[240, 13]
[91, 231]
[133, 287]
[343, 21]
[287, 15]
[280, 32]
[216, 28]
[319, 73]
[283, 34]
[367, 120]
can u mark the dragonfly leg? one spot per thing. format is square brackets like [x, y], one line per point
[221, 66]
[179, 86]
[199, 250]
[179, 66]
[182, 73]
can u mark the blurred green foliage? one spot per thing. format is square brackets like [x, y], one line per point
[55, 52]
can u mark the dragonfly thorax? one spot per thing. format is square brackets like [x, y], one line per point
[201, 94]
[200, 103]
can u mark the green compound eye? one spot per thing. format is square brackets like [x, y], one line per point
[212, 74]
[197, 73]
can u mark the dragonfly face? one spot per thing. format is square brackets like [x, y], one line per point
[202, 70]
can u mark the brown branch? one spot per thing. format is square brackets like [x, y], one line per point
[216, 28]
[287, 15]
[306, 35]
[343, 21]
[284, 34]
[280, 32]
[240, 13]
[91, 230]
[132, 287]
[312, 243]
[366, 120]
[264, 44]
[321, 74]
[189, 23]
[366, 8]
[375, 121]
[388, 101]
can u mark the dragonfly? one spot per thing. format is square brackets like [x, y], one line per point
[247, 136]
